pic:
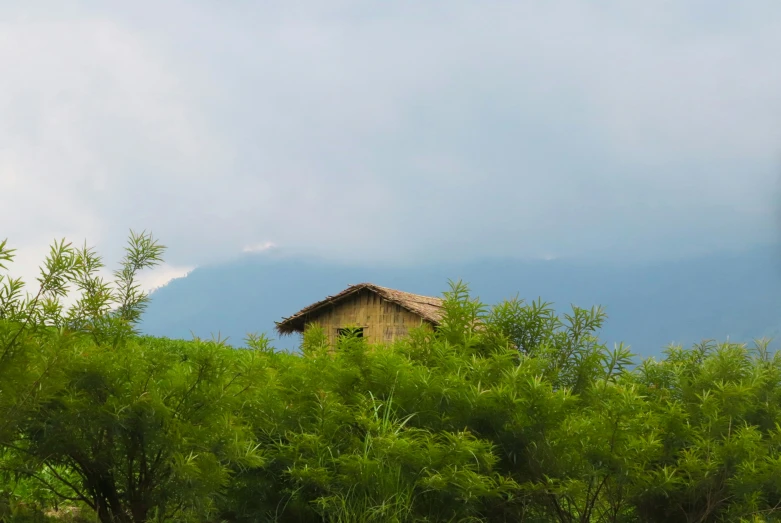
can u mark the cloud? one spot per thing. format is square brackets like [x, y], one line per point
[259, 247]
[402, 131]
[160, 276]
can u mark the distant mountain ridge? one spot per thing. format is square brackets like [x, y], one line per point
[731, 294]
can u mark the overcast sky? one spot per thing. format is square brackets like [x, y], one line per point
[396, 131]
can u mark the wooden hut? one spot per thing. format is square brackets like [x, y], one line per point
[379, 314]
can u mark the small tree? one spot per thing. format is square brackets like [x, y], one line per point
[134, 429]
[107, 311]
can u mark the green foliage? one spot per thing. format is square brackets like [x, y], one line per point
[504, 413]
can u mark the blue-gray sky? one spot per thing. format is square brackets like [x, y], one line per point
[391, 131]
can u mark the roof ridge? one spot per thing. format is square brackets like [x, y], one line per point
[405, 292]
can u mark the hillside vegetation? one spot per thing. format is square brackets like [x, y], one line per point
[507, 413]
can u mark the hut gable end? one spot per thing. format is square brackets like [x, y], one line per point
[383, 314]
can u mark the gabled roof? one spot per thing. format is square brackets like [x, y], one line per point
[427, 307]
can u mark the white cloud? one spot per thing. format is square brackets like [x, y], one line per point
[160, 276]
[259, 247]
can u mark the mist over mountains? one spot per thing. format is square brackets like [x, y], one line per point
[721, 295]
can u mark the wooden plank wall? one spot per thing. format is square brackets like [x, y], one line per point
[382, 321]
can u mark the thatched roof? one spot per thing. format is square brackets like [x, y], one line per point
[427, 307]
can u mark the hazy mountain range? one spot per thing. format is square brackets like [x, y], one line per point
[728, 294]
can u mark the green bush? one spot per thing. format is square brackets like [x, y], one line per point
[505, 413]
